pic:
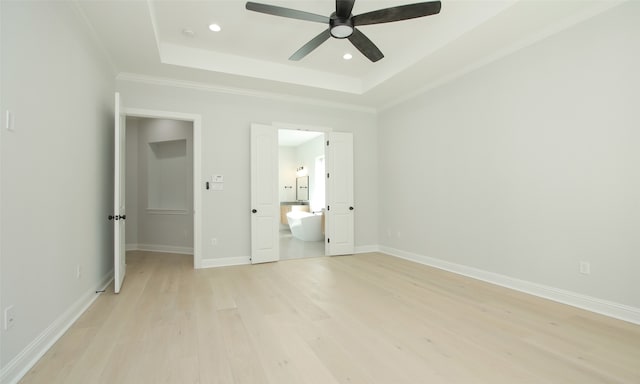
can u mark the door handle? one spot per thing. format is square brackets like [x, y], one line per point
[123, 217]
[351, 208]
[111, 217]
[254, 211]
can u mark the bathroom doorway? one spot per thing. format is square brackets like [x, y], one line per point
[267, 210]
[301, 193]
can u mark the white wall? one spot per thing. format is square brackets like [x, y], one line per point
[226, 120]
[57, 183]
[287, 164]
[527, 166]
[306, 154]
[155, 229]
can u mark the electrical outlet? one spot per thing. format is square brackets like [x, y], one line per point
[585, 267]
[78, 271]
[9, 317]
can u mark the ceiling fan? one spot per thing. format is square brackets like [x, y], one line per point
[342, 24]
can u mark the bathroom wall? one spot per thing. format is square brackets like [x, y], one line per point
[291, 158]
[306, 154]
[287, 165]
[152, 227]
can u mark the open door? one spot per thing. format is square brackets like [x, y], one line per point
[340, 207]
[264, 194]
[119, 254]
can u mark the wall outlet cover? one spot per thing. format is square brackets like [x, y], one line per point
[9, 317]
[9, 121]
[585, 267]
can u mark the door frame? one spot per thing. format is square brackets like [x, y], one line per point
[196, 120]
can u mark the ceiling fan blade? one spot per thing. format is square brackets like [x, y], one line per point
[366, 46]
[311, 45]
[344, 8]
[286, 12]
[402, 12]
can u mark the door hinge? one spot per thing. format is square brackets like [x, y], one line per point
[328, 175]
[327, 143]
[328, 240]
[328, 207]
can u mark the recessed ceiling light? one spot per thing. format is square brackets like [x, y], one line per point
[347, 56]
[215, 27]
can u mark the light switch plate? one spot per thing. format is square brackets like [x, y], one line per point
[9, 121]
[217, 186]
[218, 179]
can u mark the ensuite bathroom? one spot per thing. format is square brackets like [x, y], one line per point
[301, 190]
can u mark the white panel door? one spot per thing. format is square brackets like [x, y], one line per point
[264, 194]
[340, 207]
[119, 254]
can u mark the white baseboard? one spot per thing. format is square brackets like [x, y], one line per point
[366, 249]
[603, 307]
[244, 260]
[225, 262]
[29, 356]
[159, 248]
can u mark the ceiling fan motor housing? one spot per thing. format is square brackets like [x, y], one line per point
[340, 28]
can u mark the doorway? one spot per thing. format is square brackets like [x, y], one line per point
[159, 185]
[302, 191]
[167, 185]
[266, 210]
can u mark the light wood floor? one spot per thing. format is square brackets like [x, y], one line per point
[368, 318]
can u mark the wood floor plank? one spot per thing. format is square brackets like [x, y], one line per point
[367, 318]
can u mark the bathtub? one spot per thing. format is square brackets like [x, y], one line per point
[305, 226]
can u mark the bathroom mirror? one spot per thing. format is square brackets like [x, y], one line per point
[302, 188]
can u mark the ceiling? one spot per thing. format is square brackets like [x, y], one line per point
[146, 40]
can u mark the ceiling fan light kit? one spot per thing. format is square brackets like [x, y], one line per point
[342, 24]
[340, 28]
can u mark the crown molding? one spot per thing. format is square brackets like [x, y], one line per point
[93, 35]
[530, 40]
[168, 82]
